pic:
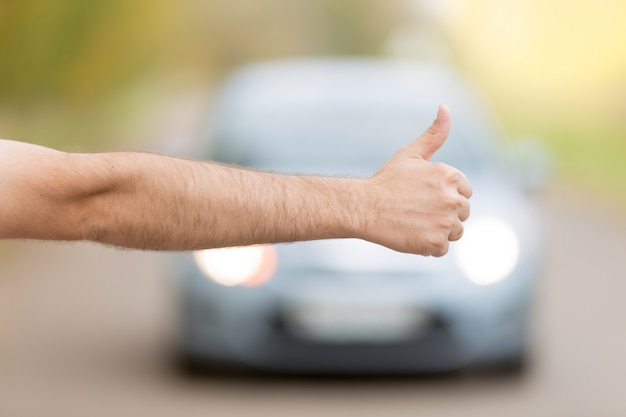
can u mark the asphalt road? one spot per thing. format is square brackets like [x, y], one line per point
[86, 331]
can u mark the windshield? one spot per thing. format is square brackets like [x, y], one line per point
[338, 141]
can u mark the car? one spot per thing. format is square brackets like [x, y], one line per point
[347, 306]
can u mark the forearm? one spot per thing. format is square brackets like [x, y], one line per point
[156, 202]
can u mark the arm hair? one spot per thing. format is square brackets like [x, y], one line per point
[157, 202]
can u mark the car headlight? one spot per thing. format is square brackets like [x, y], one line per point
[488, 251]
[246, 265]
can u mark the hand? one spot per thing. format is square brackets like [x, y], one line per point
[417, 206]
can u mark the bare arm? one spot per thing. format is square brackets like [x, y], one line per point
[157, 202]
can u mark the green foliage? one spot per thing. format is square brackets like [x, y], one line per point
[81, 52]
[68, 49]
[592, 161]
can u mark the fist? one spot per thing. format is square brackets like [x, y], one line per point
[417, 206]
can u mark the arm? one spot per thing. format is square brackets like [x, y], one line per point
[157, 202]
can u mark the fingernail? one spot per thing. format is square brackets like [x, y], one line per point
[442, 107]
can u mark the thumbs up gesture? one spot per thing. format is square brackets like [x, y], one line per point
[415, 205]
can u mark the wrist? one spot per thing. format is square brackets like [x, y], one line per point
[358, 209]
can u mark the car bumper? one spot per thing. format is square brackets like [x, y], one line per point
[260, 336]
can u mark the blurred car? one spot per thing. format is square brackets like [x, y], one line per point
[350, 306]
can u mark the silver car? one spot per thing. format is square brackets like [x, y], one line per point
[350, 306]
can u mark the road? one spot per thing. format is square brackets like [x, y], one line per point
[86, 331]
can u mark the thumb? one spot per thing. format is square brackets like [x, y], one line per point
[431, 140]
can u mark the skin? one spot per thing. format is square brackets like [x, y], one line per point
[147, 201]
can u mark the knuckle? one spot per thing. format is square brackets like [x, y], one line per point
[453, 201]
[464, 211]
[450, 174]
[446, 219]
[437, 243]
[440, 167]
[453, 175]
[441, 250]
[446, 222]
[457, 235]
[469, 189]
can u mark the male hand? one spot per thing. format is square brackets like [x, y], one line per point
[417, 206]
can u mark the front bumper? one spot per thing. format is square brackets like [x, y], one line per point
[256, 329]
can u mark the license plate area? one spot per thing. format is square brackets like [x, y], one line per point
[355, 323]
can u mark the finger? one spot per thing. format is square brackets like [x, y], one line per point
[456, 232]
[431, 140]
[464, 187]
[464, 209]
[440, 250]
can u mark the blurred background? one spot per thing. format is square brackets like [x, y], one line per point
[96, 75]
[84, 329]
